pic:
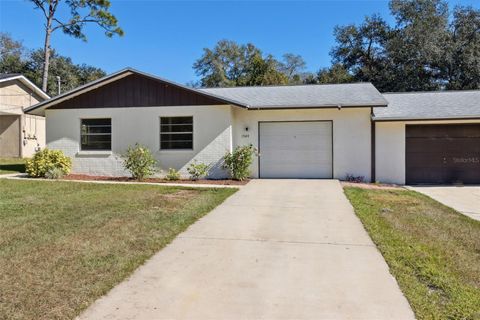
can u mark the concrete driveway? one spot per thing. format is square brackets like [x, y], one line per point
[277, 249]
[464, 199]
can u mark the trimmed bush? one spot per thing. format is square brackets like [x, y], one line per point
[238, 162]
[47, 160]
[55, 173]
[172, 175]
[139, 161]
[197, 170]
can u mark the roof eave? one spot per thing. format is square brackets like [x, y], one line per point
[392, 119]
[324, 106]
[113, 77]
[29, 84]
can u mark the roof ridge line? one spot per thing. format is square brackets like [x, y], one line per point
[286, 85]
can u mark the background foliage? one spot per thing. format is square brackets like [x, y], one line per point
[428, 47]
[15, 58]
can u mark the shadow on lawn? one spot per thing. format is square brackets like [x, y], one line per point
[12, 167]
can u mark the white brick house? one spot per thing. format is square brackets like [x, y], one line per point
[308, 131]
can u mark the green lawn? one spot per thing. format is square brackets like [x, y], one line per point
[64, 244]
[433, 251]
[12, 165]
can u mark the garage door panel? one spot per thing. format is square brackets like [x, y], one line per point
[279, 157]
[446, 144]
[443, 154]
[296, 149]
[443, 131]
[298, 143]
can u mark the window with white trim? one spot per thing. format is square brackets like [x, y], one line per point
[96, 134]
[176, 133]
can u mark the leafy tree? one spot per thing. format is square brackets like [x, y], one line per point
[293, 67]
[361, 51]
[15, 58]
[335, 74]
[82, 12]
[422, 51]
[416, 46]
[461, 67]
[12, 53]
[261, 71]
[231, 64]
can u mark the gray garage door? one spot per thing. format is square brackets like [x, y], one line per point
[295, 149]
[443, 154]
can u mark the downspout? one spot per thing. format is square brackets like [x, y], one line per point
[372, 147]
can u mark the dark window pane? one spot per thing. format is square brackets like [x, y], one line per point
[176, 120]
[176, 145]
[176, 137]
[96, 134]
[96, 129]
[97, 122]
[176, 128]
[176, 133]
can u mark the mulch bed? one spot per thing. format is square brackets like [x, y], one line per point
[154, 180]
[382, 186]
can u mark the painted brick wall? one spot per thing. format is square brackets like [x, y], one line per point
[212, 137]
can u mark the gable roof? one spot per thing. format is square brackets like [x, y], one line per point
[304, 96]
[40, 107]
[4, 77]
[430, 105]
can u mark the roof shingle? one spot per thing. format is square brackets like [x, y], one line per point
[430, 105]
[307, 96]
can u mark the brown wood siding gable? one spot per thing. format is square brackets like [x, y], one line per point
[136, 91]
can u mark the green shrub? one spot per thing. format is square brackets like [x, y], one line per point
[238, 162]
[46, 160]
[54, 173]
[139, 161]
[172, 175]
[197, 170]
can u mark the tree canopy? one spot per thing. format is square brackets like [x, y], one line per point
[426, 49]
[15, 58]
[231, 64]
[81, 13]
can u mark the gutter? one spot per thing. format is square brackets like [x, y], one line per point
[392, 119]
[325, 106]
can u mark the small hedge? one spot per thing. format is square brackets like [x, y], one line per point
[238, 162]
[47, 160]
[139, 161]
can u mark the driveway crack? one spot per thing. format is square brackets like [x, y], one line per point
[279, 241]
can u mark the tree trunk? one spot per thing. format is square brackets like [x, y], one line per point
[46, 56]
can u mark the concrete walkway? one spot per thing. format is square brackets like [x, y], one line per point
[23, 176]
[277, 249]
[464, 199]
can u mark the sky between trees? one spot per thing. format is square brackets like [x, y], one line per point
[429, 47]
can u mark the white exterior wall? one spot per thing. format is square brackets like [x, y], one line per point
[351, 135]
[390, 152]
[14, 98]
[212, 137]
[33, 134]
[390, 148]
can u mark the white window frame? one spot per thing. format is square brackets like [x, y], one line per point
[97, 134]
[192, 133]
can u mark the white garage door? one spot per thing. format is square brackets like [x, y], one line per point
[296, 149]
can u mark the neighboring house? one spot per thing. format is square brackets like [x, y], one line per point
[305, 131]
[21, 135]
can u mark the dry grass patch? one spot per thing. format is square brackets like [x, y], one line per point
[64, 244]
[432, 250]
